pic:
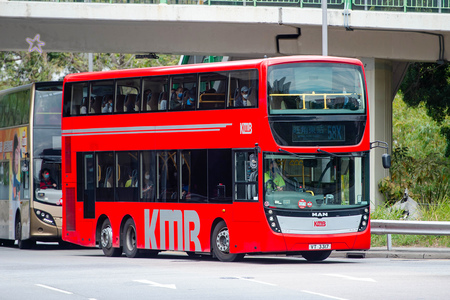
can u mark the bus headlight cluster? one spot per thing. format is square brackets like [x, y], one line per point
[364, 220]
[45, 217]
[272, 220]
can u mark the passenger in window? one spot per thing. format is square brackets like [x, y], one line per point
[177, 101]
[83, 108]
[190, 102]
[273, 178]
[107, 107]
[132, 179]
[241, 100]
[46, 181]
[147, 188]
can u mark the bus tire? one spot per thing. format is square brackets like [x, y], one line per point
[23, 244]
[106, 236]
[316, 255]
[7, 243]
[130, 240]
[221, 244]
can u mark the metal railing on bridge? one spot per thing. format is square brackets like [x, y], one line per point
[424, 6]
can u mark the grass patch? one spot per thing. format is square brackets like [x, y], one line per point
[440, 211]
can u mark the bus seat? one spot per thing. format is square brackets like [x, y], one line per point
[152, 102]
[212, 100]
[119, 103]
[130, 101]
[162, 101]
[97, 105]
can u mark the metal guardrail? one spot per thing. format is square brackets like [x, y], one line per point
[428, 6]
[389, 227]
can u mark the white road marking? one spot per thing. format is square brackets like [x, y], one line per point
[352, 278]
[155, 284]
[54, 289]
[323, 295]
[257, 281]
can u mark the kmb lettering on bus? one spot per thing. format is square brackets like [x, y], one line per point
[246, 128]
[181, 220]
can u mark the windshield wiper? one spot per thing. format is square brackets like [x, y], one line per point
[353, 154]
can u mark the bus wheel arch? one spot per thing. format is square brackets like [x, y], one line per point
[129, 237]
[105, 238]
[220, 243]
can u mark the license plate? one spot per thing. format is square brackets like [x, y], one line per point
[320, 247]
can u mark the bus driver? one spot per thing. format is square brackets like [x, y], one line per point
[274, 175]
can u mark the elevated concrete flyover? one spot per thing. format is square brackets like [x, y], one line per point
[385, 35]
[250, 31]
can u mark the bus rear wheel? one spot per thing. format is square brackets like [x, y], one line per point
[316, 255]
[106, 239]
[129, 239]
[221, 244]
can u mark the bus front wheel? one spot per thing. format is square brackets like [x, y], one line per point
[106, 239]
[221, 244]
[129, 239]
[316, 255]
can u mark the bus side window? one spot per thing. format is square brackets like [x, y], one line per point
[105, 176]
[75, 103]
[220, 175]
[127, 176]
[241, 81]
[246, 176]
[167, 177]
[148, 170]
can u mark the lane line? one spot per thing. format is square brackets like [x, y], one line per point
[53, 289]
[323, 295]
[156, 284]
[352, 278]
[256, 281]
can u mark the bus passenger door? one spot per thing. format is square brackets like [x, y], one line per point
[86, 187]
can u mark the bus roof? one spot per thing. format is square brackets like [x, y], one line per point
[209, 67]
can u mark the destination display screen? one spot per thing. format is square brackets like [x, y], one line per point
[318, 133]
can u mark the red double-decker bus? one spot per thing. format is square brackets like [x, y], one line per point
[234, 158]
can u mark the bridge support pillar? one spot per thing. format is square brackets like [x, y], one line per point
[379, 77]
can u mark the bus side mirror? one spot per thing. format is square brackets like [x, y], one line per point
[386, 159]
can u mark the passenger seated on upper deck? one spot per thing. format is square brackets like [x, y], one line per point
[107, 106]
[177, 101]
[190, 101]
[241, 100]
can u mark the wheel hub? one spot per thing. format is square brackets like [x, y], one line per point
[106, 237]
[223, 241]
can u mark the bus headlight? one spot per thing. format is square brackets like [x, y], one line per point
[364, 220]
[44, 217]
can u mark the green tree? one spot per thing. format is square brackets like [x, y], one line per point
[20, 68]
[429, 83]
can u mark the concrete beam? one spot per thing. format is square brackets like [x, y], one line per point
[221, 30]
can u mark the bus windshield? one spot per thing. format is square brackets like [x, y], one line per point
[48, 105]
[315, 182]
[316, 88]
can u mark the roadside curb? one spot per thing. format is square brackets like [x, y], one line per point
[402, 253]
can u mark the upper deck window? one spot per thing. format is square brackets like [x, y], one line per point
[48, 105]
[316, 88]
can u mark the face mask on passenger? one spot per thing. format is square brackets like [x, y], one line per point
[147, 177]
[245, 96]
[180, 95]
